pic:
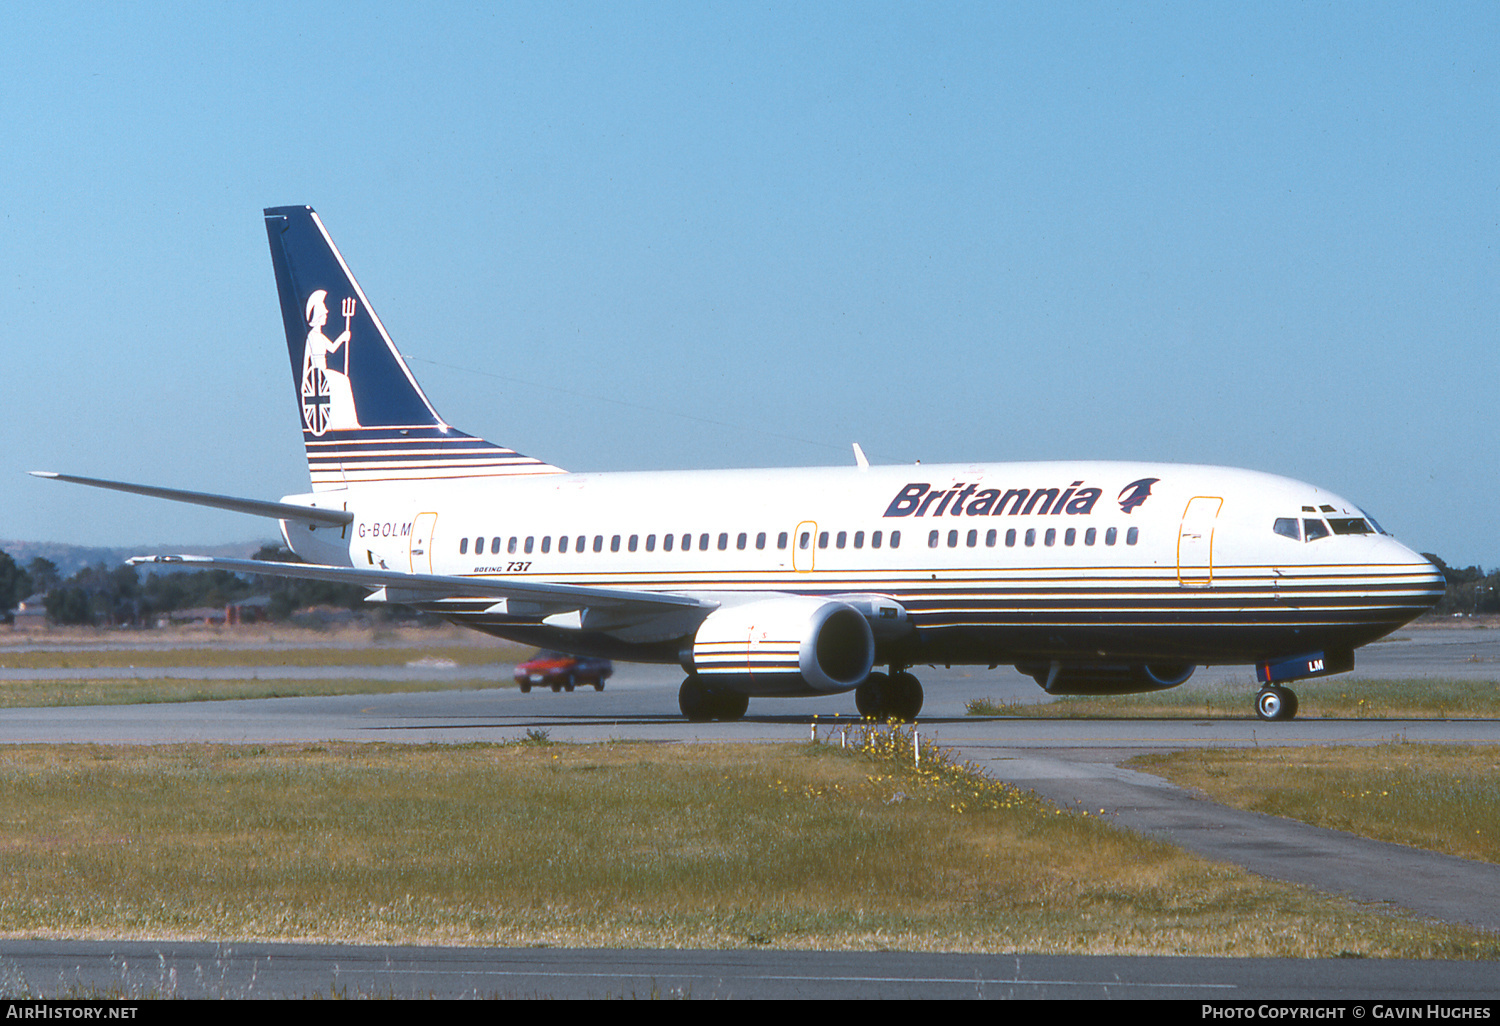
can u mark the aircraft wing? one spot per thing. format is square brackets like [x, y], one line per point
[560, 605]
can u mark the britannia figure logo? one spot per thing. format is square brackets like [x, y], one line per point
[1135, 493]
[327, 399]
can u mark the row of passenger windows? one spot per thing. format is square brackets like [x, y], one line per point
[1049, 537]
[838, 539]
[841, 539]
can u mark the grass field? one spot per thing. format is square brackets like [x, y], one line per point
[1332, 698]
[36, 694]
[1442, 798]
[622, 844]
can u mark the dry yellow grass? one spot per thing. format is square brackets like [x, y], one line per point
[619, 844]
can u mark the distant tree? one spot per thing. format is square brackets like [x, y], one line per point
[1469, 589]
[98, 595]
[14, 586]
[44, 575]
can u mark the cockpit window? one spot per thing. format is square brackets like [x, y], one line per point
[1287, 527]
[1349, 525]
[1315, 529]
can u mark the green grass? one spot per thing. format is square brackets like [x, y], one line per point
[803, 846]
[1330, 698]
[1443, 798]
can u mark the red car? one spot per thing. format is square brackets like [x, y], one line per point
[562, 672]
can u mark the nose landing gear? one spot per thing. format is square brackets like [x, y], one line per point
[1276, 703]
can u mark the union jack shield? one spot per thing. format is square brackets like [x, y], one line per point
[315, 400]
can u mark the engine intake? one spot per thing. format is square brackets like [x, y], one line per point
[783, 646]
[1058, 678]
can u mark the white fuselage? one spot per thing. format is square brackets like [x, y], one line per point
[991, 563]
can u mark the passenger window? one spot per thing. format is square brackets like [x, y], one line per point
[614, 543]
[760, 540]
[803, 540]
[1070, 536]
[650, 543]
[1287, 528]
[972, 539]
[723, 540]
[581, 544]
[822, 539]
[530, 541]
[953, 539]
[1030, 536]
[932, 538]
[598, 543]
[1132, 536]
[859, 539]
[703, 543]
[1051, 536]
[562, 543]
[495, 545]
[1089, 536]
[842, 539]
[463, 546]
[1315, 529]
[895, 539]
[1010, 538]
[875, 540]
[634, 540]
[781, 540]
[990, 537]
[479, 546]
[1109, 536]
[666, 542]
[546, 544]
[687, 542]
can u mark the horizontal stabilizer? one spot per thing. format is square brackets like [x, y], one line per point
[255, 507]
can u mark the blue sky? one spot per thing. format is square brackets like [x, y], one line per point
[637, 236]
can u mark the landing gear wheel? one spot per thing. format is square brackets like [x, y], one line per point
[869, 697]
[700, 703]
[1276, 703]
[906, 698]
[897, 697]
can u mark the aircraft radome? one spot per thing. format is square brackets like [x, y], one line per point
[1094, 577]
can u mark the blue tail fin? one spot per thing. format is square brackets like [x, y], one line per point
[364, 417]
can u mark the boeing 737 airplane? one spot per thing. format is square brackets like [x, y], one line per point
[1093, 578]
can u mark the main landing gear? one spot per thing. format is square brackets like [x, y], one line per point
[897, 696]
[701, 703]
[1276, 703]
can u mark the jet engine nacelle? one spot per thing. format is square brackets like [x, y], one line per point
[783, 646]
[1058, 678]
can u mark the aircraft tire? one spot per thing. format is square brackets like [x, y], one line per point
[1275, 704]
[695, 701]
[731, 705]
[869, 697]
[905, 701]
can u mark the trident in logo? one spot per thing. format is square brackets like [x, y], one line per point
[327, 399]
